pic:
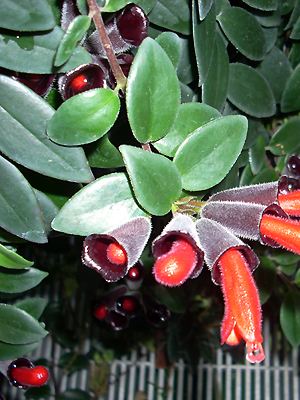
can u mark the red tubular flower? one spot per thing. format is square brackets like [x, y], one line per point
[290, 202]
[283, 231]
[242, 318]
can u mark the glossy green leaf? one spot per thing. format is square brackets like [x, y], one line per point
[286, 138]
[267, 174]
[276, 69]
[35, 54]
[204, 34]
[297, 278]
[244, 32]
[207, 155]
[290, 97]
[204, 7]
[34, 306]
[13, 351]
[249, 91]
[10, 259]
[84, 118]
[271, 37]
[171, 44]
[290, 317]
[294, 54]
[268, 20]
[100, 207]
[155, 180]
[18, 327]
[146, 5]
[214, 89]
[295, 34]
[188, 95]
[190, 116]
[184, 70]
[74, 394]
[172, 14]
[20, 282]
[75, 32]
[153, 93]
[265, 5]
[257, 155]
[19, 214]
[295, 14]
[38, 392]
[25, 114]
[103, 154]
[26, 15]
[48, 208]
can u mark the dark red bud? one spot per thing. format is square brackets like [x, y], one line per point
[133, 24]
[100, 312]
[22, 373]
[287, 184]
[158, 315]
[128, 305]
[293, 166]
[117, 321]
[135, 273]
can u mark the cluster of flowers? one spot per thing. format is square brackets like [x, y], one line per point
[266, 212]
[126, 30]
[23, 374]
[125, 302]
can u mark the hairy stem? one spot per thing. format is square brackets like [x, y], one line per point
[95, 13]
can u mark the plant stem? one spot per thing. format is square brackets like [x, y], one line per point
[95, 13]
[146, 147]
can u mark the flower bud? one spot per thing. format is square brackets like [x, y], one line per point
[23, 374]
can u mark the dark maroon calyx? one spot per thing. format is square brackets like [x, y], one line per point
[68, 12]
[287, 184]
[135, 273]
[128, 305]
[18, 363]
[81, 79]
[117, 321]
[276, 211]
[100, 311]
[293, 166]
[132, 24]
[158, 315]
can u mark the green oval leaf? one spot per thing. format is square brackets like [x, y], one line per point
[26, 114]
[208, 154]
[257, 155]
[74, 394]
[35, 54]
[10, 259]
[85, 117]
[18, 327]
[290, 97]
[17, 283]
[265, 5]
[34, 306]
[276, 77]
[244, 32]
[26, 15]
[103, 154]
[48, 208]
[171, 43]
[286, 138]
[73, 35]
[204, 34]
[172, 14]
[215, 87]
[100, 207]
[155, 180]
[13, 351]
[204, 7]
[19, 214]
[290, 317]
[190, 116]
[153, 93]
[250, 92]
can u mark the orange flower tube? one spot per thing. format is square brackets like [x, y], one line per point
[242, 317]
[290, 202]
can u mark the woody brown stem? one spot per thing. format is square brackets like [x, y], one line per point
[95, 13]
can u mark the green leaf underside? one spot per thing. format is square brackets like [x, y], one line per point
[204, 7]
[215, 87]
[286, 138]
[208, 154]
[290, 98]
[153, 93]
[290, 317]
[155, 180]
[13, 351]
[257, 155]
[105, 155]
[115, 5]
[24, 117]
[265, 5]
[190, 116]
[18, 327]
[172, 14]
[34, 306]
[48, 208]
[250, 92]
[35, 54]
[171, 44]
[244, 32]
[26, 15]
[17, 283]
[73, 35]
[204, 34]
[19, 214]
[84, 118]
[100, 207]
[10, 259]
